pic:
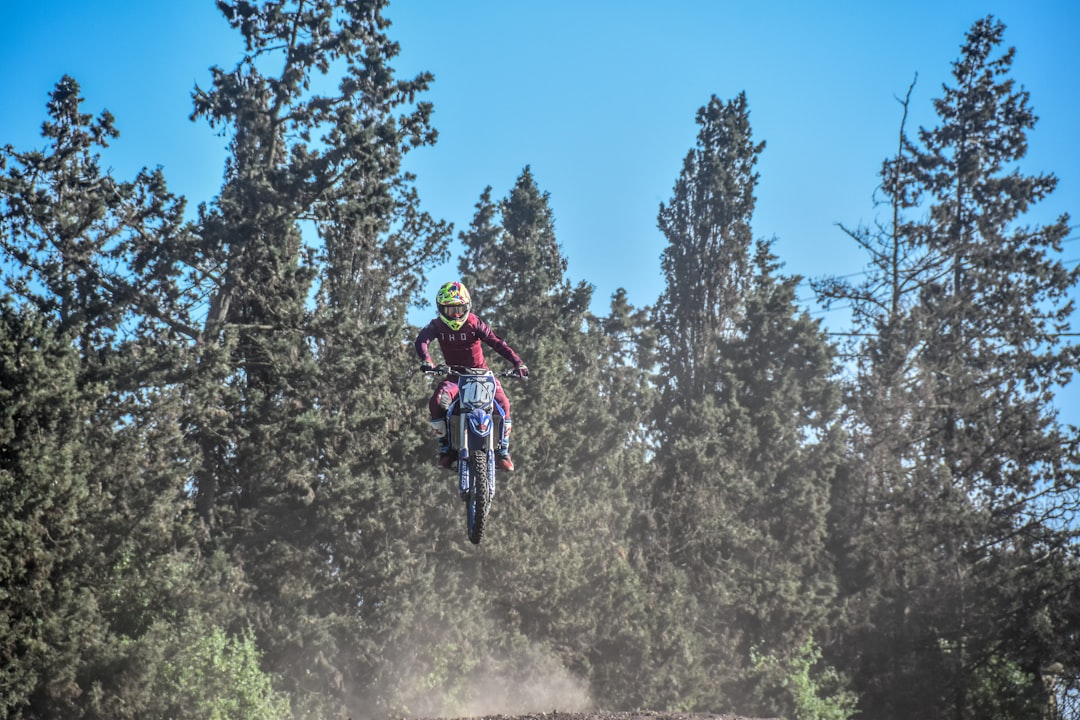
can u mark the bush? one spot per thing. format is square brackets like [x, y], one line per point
[210, 675]
[816, 692]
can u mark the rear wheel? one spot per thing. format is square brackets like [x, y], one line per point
[478, 501]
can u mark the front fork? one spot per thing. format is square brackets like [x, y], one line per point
[476, 424]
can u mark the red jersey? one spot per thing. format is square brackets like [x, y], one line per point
[462, 347]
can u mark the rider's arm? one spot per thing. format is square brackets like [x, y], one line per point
[497, 344]
[422, 341]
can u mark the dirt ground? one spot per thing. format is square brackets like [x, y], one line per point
[616, 716]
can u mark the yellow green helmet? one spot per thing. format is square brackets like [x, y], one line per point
[454, 304]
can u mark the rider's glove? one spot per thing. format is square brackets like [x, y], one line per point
[427, 367]
[522, 371]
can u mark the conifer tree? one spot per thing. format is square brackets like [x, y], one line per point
[301, 377]
[46, 635]
[961, 472]
[96, 457]
[745, 439]
[518, 271]
[558, 541]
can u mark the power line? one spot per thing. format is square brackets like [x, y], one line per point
[1065, 263]
[874, 335]
[1074, 238]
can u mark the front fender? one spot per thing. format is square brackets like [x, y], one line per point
[480, 423]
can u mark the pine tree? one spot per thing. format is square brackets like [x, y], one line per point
[709, 253]
[302, 373]
[93, 441]
[959, 464]
[559, 541]
[46, 634]
[517, 272]
[745, 430]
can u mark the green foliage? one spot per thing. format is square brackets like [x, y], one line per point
[43, 497]
[562, 556]
[91, 486]
[216, 491]
[302, 447]
[746, 438]
[707, 260]
[953, 402]
[815, 692]
[1002, 690]
[206, 674]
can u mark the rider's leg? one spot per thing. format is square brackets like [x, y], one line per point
[503, 458]
[443, 397]
[438, 405]
[441, 433]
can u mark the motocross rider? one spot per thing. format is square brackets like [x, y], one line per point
[459, 333]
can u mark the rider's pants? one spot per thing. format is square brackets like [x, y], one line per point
[447, 391]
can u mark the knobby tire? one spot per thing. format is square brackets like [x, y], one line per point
[479, 500]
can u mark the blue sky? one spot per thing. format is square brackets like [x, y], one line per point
[598, 98]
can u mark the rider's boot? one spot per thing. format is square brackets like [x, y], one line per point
[502, 457]
[445, 458]
[446, 454]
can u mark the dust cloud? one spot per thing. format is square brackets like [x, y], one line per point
[532, 682]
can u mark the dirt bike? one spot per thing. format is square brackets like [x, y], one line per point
[474, 421]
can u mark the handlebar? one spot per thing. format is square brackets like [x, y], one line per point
[462, 370]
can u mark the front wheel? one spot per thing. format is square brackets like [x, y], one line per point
[478, 500]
